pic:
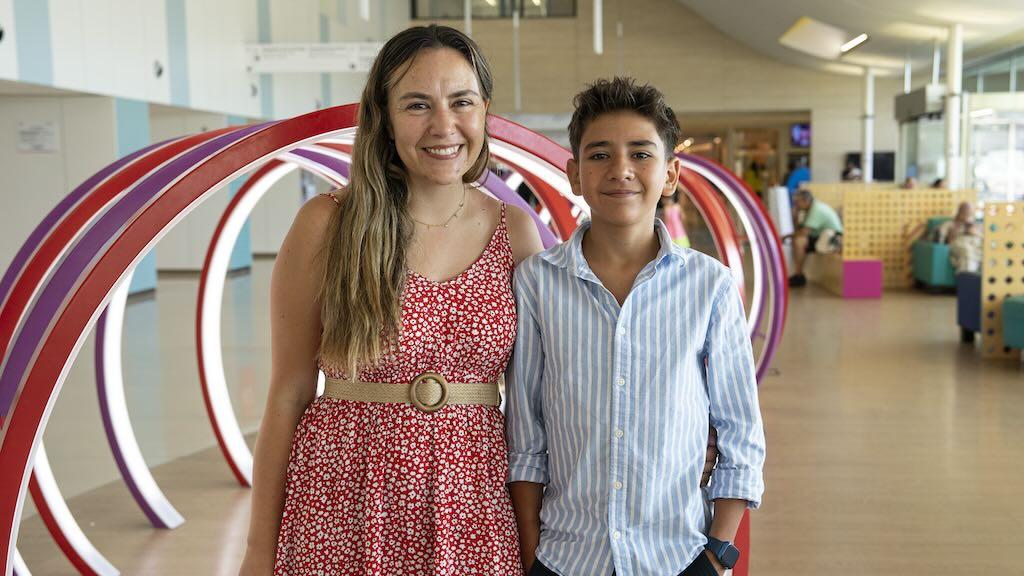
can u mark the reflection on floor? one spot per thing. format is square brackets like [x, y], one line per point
[892, 448]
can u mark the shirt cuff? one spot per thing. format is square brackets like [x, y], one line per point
[528, 468]
[738, 484]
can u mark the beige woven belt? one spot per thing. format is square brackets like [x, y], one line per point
[429, 392]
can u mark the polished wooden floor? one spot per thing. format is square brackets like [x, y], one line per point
[893, 449]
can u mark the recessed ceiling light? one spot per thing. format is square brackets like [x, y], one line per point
[853, 43]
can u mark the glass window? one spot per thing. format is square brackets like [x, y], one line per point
[1018, 63]
[455, 9]
[438, 9]
[970, 83]
[549, 8]
[996, 78]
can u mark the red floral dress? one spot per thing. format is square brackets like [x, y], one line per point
[386, 489]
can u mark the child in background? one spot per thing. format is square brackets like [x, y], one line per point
[672, 216]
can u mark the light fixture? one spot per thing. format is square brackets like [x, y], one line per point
[983, 113]
[536, 3]
[853, 43]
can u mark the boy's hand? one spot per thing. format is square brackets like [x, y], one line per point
[715, 563]
[526, 500]
[528, 541]
[704, 565]
[711, 457]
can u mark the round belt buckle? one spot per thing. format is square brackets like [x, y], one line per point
[425, 377]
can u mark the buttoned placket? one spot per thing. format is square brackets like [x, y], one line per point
[622, 348]
[620, 317]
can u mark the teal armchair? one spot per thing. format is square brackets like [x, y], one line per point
[930, 261]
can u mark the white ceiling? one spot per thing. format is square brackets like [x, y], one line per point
[895, 27]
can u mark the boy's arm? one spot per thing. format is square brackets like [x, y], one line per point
[735, 412]
[526, 500]
[731, 380]
[526, 436]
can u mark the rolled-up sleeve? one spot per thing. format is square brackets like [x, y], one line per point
[527, 440]
[732, 391]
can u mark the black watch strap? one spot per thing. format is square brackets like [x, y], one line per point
[726, 553]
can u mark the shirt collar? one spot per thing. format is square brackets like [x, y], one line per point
[569, 254]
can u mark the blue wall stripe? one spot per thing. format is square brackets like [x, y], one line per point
[325, 79]
[35, 53]
[343, 12]
[177, 52]
[266, 80]
[241, 255]
[132, 118]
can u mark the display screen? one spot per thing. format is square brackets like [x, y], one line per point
[800, 135]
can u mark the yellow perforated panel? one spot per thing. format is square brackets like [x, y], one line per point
[1002, 269]
[834, 193]
[878, 222]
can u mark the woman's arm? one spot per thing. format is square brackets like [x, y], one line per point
[522, 234]
[295, 341]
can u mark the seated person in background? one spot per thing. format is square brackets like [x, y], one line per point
[909, 184]
[818, 230]
[939, 183]
[963, 235]
[852, 173]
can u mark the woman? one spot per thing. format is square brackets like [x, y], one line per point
[405, 273]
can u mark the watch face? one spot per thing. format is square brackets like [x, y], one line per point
[730, 556]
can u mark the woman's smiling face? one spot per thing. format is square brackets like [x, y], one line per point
[438, 117]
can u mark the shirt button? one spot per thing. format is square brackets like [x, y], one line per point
[619, 433]
[621, 381]
[618, 485]
[616, 534]
[622, 331]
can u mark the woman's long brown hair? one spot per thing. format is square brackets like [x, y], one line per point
[364, 251]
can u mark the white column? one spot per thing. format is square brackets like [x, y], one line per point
[467, 11]
[954, 83]
[598, 27]
[868, 148]
[906, 74]
[516, 80]
[936, 61]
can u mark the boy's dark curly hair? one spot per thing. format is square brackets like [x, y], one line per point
[623, 94]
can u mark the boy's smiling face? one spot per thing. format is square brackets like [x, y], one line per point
[622, 169]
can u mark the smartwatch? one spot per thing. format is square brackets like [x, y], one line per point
[726, 553]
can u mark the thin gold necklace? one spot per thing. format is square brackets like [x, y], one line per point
[450, 218]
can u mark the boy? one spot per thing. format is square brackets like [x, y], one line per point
[627, 347]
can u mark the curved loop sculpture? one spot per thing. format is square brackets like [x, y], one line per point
[75, 260]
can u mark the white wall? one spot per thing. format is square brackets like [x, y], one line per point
[274, 214]
[217, 34]
[34, 183]
[9, 46]
[109, 47]
[291, 21]
[386, 19]
[184, 247]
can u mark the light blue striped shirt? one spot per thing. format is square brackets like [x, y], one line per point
[609, 408]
